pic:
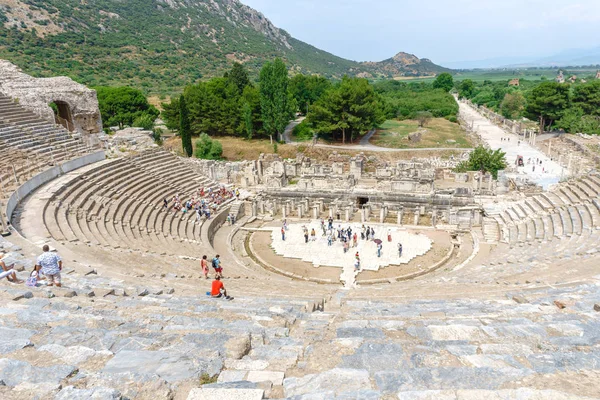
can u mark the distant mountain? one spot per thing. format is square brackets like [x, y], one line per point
[565, 58]
[571, 57]
[404, 64]
[162, 45]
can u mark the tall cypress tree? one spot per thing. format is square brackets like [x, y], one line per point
[184, 127]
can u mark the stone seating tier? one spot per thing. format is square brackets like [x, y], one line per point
[118, 204]
[156, 343]
[571, 209]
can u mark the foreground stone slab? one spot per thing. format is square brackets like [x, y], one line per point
[14, 372]
[338, 380]
[169, 366]
[14, 339]
[274, 377]
[222, 394]
[97, 393]
[516, 394]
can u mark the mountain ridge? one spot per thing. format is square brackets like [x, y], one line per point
[163, 45]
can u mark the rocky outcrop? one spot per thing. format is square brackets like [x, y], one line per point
[78, 104]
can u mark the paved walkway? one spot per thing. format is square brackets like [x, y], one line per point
[287, 133]
[494, 135]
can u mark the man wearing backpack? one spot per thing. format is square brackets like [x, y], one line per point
[216, 264]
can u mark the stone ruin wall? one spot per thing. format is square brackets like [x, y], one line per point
[35, 94]
[303, 174]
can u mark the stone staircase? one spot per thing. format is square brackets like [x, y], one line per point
[24, 130]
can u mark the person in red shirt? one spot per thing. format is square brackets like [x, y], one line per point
[218, 290]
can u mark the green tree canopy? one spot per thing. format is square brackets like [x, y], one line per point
[587, 97]
[547, 102]
[484, 160]
[307, 89]
[120, 106]
[466, 88]
[444, 81]
[350, 107]
[238, 75]
[275, 104]
[513, 105]
[215, 107]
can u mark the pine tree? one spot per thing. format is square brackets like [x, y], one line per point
[184, 127]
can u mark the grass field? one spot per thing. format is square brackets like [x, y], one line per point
[394, 134]
[238, 149]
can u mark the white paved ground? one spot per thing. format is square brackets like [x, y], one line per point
[493, 135]
[320, 254]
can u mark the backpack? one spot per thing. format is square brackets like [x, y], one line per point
[213, 263]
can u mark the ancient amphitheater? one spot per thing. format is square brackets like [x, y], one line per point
[495, 295]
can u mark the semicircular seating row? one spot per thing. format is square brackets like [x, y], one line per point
[30, 144]
[571, 210]
[119, 205]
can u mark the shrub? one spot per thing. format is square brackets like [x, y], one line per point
[303, 132]
[208, 149]
[484, 160]
[157, 136]
[144, 121]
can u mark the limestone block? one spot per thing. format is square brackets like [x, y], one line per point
[231, 376]
[237, 347]
[96, 393]
[229, 394]
[22, 295]
[337, 380]
[275, 377]
[14, 339]
[247, 364]
[456, 332]
[14, 372]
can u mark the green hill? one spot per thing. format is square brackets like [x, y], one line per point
[161, 45]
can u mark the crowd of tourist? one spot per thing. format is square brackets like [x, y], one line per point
[346, 236]
[204, 202]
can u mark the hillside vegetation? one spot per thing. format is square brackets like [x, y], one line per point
[160, 46]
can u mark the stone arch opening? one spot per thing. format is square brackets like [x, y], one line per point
[361, 201]
[62, 114]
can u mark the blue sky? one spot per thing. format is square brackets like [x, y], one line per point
[444, 31]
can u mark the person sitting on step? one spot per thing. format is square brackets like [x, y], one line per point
[218, 290]
[8, 272]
